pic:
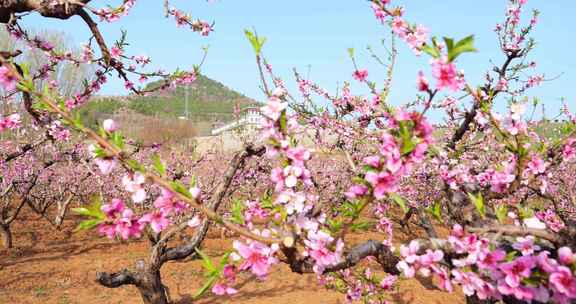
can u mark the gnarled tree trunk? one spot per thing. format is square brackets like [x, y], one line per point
[6, 236]
[147, 280]
[151, 288]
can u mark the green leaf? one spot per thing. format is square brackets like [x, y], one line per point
[257, 42]
[436, 210]
[463, 46]
[237, 212]
[501, 213]
[399, 201]
[449, 43]
[205, 287]
[118, 140]
[351, 52]
[283, 121]
[94, 210]
[177, 186]
[525, 212]
[478, 201]
[431, 50]
[206, 262]
[88, 224]
[361, 226]
[266, 202]
[158, 165]
[223, 261]
[135, 165]
[335, 225]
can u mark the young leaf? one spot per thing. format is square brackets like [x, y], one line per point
[93, 210]
[399, 201]
[436, 210]
[223, 261]
[158, 165]
[462, 46]
[257, 42]
[177, 186]
[87, 224]
[351, 52]
[501, 212]
[237, 210]
[431, 50]
[206, 262]
[478, 201]
[205, 287]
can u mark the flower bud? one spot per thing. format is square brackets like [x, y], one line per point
[109, 125]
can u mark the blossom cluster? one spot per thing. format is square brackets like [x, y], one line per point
[528, 272]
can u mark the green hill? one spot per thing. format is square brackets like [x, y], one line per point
[209, 102]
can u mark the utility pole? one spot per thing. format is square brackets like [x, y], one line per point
[186, 102]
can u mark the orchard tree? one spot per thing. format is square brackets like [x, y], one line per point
[500, 182]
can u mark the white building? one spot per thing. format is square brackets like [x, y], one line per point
[249, 120]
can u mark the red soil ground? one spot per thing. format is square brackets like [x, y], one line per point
[49, 266]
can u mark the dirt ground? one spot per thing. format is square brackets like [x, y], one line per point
[50, 266]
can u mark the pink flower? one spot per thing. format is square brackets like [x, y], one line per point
[500, 181]
[168, 204]
[109, 125]
[128, 226]
[119, 221]
[502, 85]
[525, 245]
[446, 75]
[129, 85]
[222, 289]
[133, 183]
[273, 109]
[516, 270]
[490, 260]
[11, 122]
[534, 80]
[388, 282]
[563, 281]
[360, 75]
[422, 82]
[382, 182]
[356, 191]
[195, 192]
[116, 52]
[569, 150]
[399, 27]
[157, 220]
[410, 253]
[114, 208]
[431, 257]
[298, 155]
[106, 165]
[545, 263]
[292, 173]
[417, 38]
[7, 78]
[466, 280]
[257, 257]
[536, 165]
[373, 161]
[316, 248]
[565, 256]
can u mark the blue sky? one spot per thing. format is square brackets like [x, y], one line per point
[318, 33]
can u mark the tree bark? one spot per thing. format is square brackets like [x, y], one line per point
[148, 282]
[6, 236]
[151, 288]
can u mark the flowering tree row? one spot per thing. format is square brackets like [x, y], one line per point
[499, 182]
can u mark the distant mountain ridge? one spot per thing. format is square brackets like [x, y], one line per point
[209, 102]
